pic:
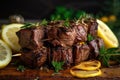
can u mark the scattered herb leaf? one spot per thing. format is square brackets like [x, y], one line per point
[57, 65]
[66, 23]
[90, 37]
[44, 22]
[55, 17]
[21, 68]
[28, 25]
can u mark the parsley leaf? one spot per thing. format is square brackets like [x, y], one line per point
[66, 23]
[90, 37]
[21, 68]
[44, 22]
[57, 65]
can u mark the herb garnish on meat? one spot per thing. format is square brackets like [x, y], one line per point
[44, 22]
[90, 37]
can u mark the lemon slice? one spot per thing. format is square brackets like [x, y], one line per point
[85, 74]
[9, 35]
[89, 65]
[5, 54]
[107, 35]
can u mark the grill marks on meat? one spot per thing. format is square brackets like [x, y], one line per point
[80, 53]
[63, 54]
[31, 38]
[92, 26]
[56, 42]
[35, 58]
[95, 46]
[81, 33]
[61, 36]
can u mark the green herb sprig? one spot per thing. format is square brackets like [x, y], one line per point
[57, 66]
[44, 22]
[66, 23]
[107, 54]
[28, 25]
[21, 68]
[89, 37]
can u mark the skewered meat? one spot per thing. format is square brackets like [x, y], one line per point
[95, 46]
[34, 58]
[80, 52]
[81, 33]
[31, 38]
[62, 43]
[61, 36]
[62, 54]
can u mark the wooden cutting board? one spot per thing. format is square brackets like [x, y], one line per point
[11, 73]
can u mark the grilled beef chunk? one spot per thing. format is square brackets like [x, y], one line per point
[81, 33]
[62, 54]
[31, 38]
[61, 36]
[95, 46]
[80, 52]
[63, 43]
[35, 58]
[92, 26]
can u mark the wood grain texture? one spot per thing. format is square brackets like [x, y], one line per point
[11, 73]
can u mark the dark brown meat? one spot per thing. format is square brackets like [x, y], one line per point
[81, 33]
[92, 26]
[80, 52]
[35, 58]
[95, 46]
[61, 36]
[62, 54]
[68, 44]
[31, 38]
[66, 36]
[100, 42]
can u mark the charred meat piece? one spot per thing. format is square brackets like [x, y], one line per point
[66, 36]
[92, 26]
[62, 54]
[100, 42]
[35, 58]
[61, 36]
[95, 46]
[81, 33]
[62, 43]
[80, 52]
[31, 38]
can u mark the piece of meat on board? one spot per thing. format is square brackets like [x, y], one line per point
[31, 38]
[34, 58]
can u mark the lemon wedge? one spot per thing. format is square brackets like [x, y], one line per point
[107, 35]
[9, 35]
[89, 65]
[85, 74]
[5, 54]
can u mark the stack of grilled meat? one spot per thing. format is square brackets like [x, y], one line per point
[59, 42]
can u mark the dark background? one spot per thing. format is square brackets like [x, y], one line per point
[38, 9]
